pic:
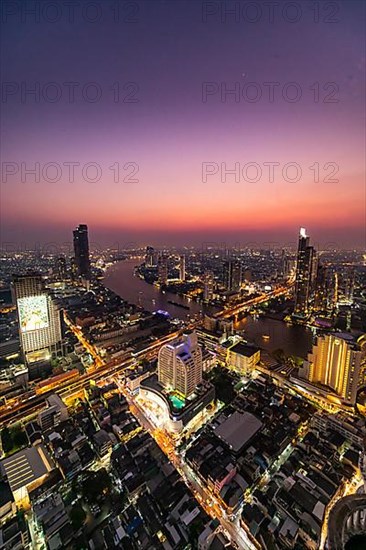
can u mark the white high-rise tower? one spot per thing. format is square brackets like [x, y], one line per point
[180, 364]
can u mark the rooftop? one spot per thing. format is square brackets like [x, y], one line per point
[26, 466]
[238, 429]
[5, 493]
[244, 349]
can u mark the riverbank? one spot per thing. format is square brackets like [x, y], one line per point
[124, 281]
[268, 333]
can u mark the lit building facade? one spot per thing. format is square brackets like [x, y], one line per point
[232, 275]
[288, 265]
[61, 268]
[304, 275]
[243, 358]
[163, 270]
[208, 289]
[180, 365]
[321, 289]
[336, 363]
[313, 270]
[182, 268]
[38, 316]
[149, 258]
[334, 294]
[81, 251]
[55, 412]
[346, 286]
[175, 418]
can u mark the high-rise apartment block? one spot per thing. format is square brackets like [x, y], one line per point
[180, 364]
[182, 268]
[39, 317]
[336, 362]
[232, 275]
[163, 270]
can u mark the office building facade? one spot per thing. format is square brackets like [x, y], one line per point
[38, 316]
[81, 251]
[232, 275]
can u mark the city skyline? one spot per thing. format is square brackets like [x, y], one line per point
[183, 275]
[61, 242]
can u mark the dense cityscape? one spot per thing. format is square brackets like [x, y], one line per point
[127, 426]
[182, 275]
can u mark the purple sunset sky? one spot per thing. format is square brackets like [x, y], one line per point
[169, 52]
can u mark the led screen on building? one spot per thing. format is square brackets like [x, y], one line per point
[33, 313]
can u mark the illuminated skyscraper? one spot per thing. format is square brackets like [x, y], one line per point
[284, 264]
[208, 281]
[149, 258]
[38, 316]
[304, 274]
[232, 275]
[334, 292]
[313, 270]
[81, 250]
[288, 267]
[336, 362]
[182, 268]
[321, 289]
[163, 270]
[180, 364]
[347, 285]
[350, 286]
[61, 268]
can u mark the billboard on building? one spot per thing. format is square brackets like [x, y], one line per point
[33, 313]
